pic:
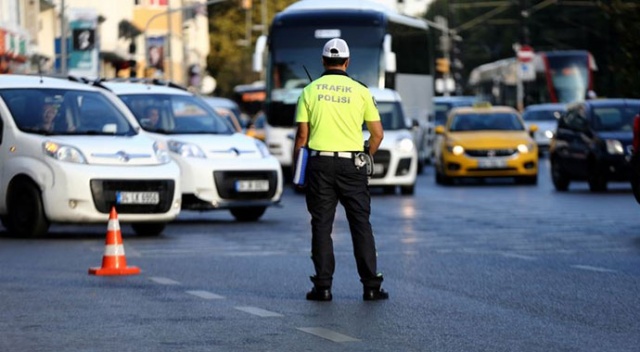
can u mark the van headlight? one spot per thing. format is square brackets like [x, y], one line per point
[186, 149]
[162, 152]
[264, 151]
[64, 152]
[614, 147]
[525, 148]
[405, 145]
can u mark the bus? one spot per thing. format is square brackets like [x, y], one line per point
[560, 77]
[388, 50]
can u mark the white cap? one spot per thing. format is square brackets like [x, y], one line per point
[336, 47]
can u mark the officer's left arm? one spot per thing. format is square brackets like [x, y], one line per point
[376, 134]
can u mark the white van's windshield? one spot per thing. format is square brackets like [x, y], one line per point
[65, 112]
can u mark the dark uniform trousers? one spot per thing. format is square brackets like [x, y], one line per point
[329, 180]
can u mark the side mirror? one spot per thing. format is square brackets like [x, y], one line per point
[440, 129]
[533, 129]
[258, 54]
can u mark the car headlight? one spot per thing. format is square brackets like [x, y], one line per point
[455, 149]
[186, 149]
[405, 145]
[64, 152]
[525, 148]
[162, 152]
[264, 151]
[614, 146]
[548, 134]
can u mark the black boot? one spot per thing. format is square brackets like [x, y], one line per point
[374, 294]
[319, 294]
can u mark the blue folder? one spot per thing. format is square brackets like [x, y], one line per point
[301, 167]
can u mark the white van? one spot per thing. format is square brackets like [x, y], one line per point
[69, 153]
[220, 168]
[396, 161]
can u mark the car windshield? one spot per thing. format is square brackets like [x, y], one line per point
[391, 116]
[175, 114]
[65, 112]
[441, 112]
[486, 122]
[542, 115]
[614, 118]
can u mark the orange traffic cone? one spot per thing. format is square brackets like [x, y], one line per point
[114, 261]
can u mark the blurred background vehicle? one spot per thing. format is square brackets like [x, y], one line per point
[593, 142]
[255, 128]
[444, 104]
[228, 109]
[545, 116]
[486, 141]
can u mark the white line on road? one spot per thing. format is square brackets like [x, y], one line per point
[205, 294]
[259, 312]
[328, 334]
[163, 281]
[518, 256]
[593, 268]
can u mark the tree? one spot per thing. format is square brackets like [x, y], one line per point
[229, 60]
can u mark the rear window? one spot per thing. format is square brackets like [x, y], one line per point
[614, 118]
[486, 122]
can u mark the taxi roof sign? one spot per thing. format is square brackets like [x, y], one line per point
[482, 104]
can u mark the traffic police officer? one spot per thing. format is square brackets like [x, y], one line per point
[330, 113]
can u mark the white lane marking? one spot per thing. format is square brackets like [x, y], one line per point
[205, 294]
[328, 334]
[163, 281]
[518, 256]
[593, 268]
[259, 312]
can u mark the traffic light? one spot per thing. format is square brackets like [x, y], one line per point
[442, 65]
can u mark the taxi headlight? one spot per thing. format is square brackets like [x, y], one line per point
[614, 146]
[162, 152]
[64, 152]
[455, 149]
[405, 145]
[186, 149]
[526, 148]
[264, 151]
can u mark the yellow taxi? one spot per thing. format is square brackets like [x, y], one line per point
[486, 141]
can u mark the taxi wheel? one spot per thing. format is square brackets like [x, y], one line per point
[441, 179]
[25, 216]
[148, 228]
[247, 213]
[560, 181]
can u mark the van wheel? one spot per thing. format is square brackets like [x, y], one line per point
[560, 181]
[25, 216]
[407, 190]
[246, 214]
[149, 229]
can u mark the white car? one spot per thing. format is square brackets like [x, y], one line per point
[69, 153]
[545, 116]
[396, 161]
[220, 168]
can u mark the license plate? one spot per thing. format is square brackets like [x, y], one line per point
[137, 197]
[252, 186]
[378, 169]
[491, 163]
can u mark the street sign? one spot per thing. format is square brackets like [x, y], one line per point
[525, 53]
[527, 71]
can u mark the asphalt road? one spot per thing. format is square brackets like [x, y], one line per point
[490, 266]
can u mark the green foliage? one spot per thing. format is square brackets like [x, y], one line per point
[229, 61]
[608, 29]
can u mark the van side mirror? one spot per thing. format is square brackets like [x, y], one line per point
[258, 54]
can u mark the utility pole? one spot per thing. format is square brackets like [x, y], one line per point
[63, 40]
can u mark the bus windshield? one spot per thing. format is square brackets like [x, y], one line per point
[570, 76]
